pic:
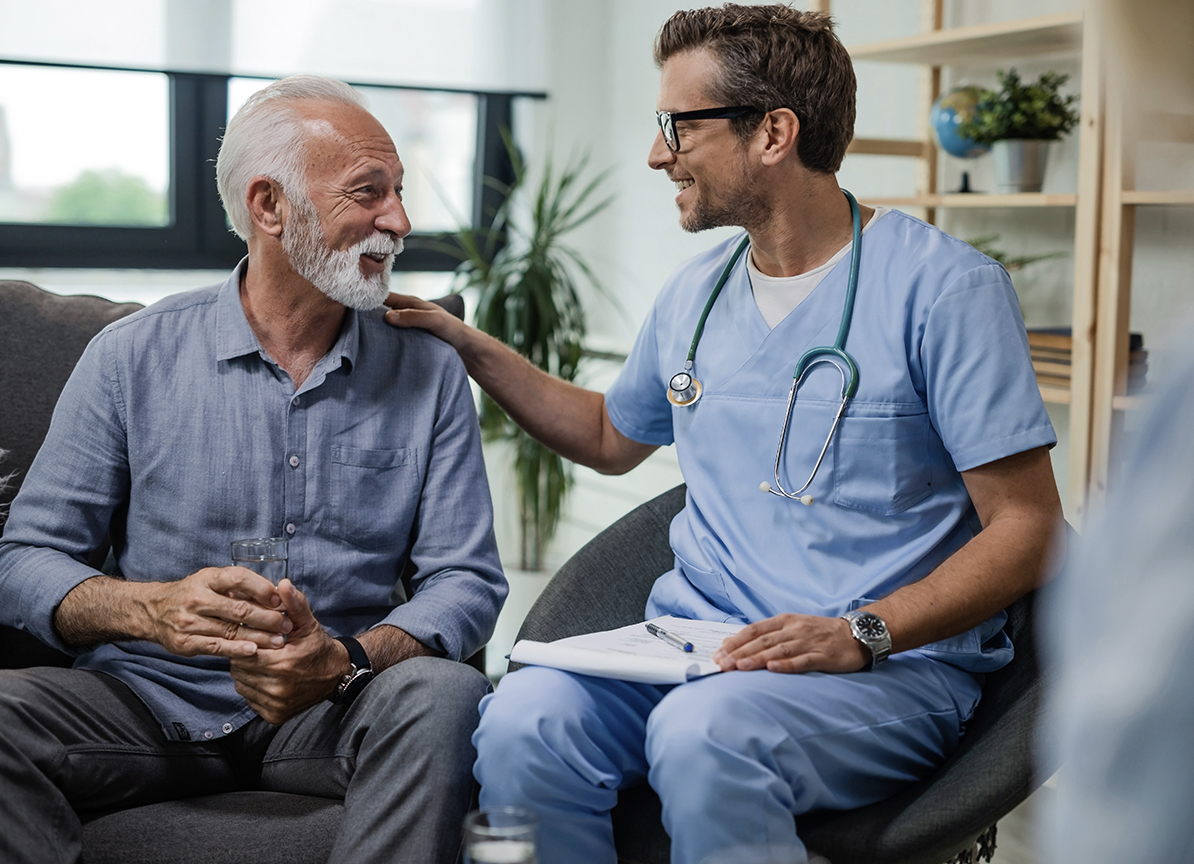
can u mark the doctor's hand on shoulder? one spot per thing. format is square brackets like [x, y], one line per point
[407, 311]
[794, 643]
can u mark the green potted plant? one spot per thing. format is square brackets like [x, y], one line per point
[527, 283]
[1018, 121]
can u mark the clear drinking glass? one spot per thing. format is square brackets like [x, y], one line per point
[264, 555]
[500, 835]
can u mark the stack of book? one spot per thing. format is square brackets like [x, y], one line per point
[1051, 348]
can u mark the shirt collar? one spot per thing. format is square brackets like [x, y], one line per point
[235, 338]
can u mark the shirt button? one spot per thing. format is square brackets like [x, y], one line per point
[227, 727]
[290, 529]
[294, 461]
[207, 735]
[294, 401]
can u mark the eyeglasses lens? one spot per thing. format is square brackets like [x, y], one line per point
[668, 126]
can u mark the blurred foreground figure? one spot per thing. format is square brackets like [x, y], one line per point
[1123, 707]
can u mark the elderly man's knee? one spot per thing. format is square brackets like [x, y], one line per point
[443, 691]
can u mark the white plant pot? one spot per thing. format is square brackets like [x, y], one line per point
[1020, 164]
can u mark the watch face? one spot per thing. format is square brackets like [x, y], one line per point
[871, 626]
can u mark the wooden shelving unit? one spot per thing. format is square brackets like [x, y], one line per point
[1047, 34]
[978, 200]
[1068, 33]
[1123, 132]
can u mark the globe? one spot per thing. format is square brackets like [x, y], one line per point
[948, 112]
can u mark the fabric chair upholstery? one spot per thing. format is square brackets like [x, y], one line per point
[606, 584]
[42, 336]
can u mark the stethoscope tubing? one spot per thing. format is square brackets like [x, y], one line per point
[684, 389]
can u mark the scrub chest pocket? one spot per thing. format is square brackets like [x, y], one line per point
[881, 464]
[373, 490]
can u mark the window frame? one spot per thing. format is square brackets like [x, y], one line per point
[198, 237]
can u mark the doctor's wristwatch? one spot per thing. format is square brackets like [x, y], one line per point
[869, 629]
[357, 678]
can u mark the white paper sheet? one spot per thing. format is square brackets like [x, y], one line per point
[631, 653]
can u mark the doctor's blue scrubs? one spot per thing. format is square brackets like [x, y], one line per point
[945, 385]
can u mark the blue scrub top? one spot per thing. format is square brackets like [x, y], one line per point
[945, 385]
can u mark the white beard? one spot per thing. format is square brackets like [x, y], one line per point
[338, 273]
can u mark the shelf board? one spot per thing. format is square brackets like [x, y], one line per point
[1056, 395]
[1175, 197]
[890, 147]
[1018, 199]
[1047, 34]
[1131, 402]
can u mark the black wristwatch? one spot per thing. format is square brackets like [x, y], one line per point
[357, 678]
[869, 629]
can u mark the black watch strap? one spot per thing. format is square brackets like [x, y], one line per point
[357, 678]
[356, 654]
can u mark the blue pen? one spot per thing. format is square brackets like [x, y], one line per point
[670, 638]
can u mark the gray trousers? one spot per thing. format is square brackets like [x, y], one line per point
[74, 741]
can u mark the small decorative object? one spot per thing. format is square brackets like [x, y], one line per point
[1018, 121]
[948, 113]
[527, 279]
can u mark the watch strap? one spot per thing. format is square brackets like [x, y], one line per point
[357, 678]
[356, 653]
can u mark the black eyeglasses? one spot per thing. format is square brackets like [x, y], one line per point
[667, 120]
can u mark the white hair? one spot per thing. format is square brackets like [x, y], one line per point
[265, 138]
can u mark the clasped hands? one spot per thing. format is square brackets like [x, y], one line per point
[282, 659]
[794, 643]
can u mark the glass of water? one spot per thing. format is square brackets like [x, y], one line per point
[264, 555]
[500, 835]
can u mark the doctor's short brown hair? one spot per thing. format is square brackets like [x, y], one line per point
[774, 57]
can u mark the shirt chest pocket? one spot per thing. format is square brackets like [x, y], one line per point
[374, 495]
[881, 464]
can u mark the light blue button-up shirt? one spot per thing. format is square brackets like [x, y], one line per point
[177, 434]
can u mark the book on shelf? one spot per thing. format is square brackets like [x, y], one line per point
[1051, 350]
[1061, 338]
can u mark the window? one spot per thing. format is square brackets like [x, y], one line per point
[84, 146]
[116, 168]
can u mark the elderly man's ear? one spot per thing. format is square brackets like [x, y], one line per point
[267, 205]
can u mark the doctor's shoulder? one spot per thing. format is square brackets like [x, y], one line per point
[939, 260]
[689, 283]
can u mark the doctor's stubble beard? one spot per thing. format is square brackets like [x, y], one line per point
[742, 204]
[337, 273]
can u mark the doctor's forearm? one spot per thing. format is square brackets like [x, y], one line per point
[1018, 505]
[568, 419]
[1003, 563]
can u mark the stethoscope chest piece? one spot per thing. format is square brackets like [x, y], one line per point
[683, 390]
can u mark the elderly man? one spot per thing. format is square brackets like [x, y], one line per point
[272, 404]
[870, 600]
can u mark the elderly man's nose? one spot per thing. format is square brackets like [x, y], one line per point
[394, 218]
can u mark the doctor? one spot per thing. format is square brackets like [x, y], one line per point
[945, 434]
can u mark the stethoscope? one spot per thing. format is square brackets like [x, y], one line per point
[684, 389]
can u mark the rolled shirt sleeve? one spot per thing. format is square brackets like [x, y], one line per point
[74, 488]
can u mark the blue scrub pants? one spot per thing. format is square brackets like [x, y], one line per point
[732, 756]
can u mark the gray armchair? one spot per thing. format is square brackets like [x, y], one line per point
[950, 815]
[42, 336]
